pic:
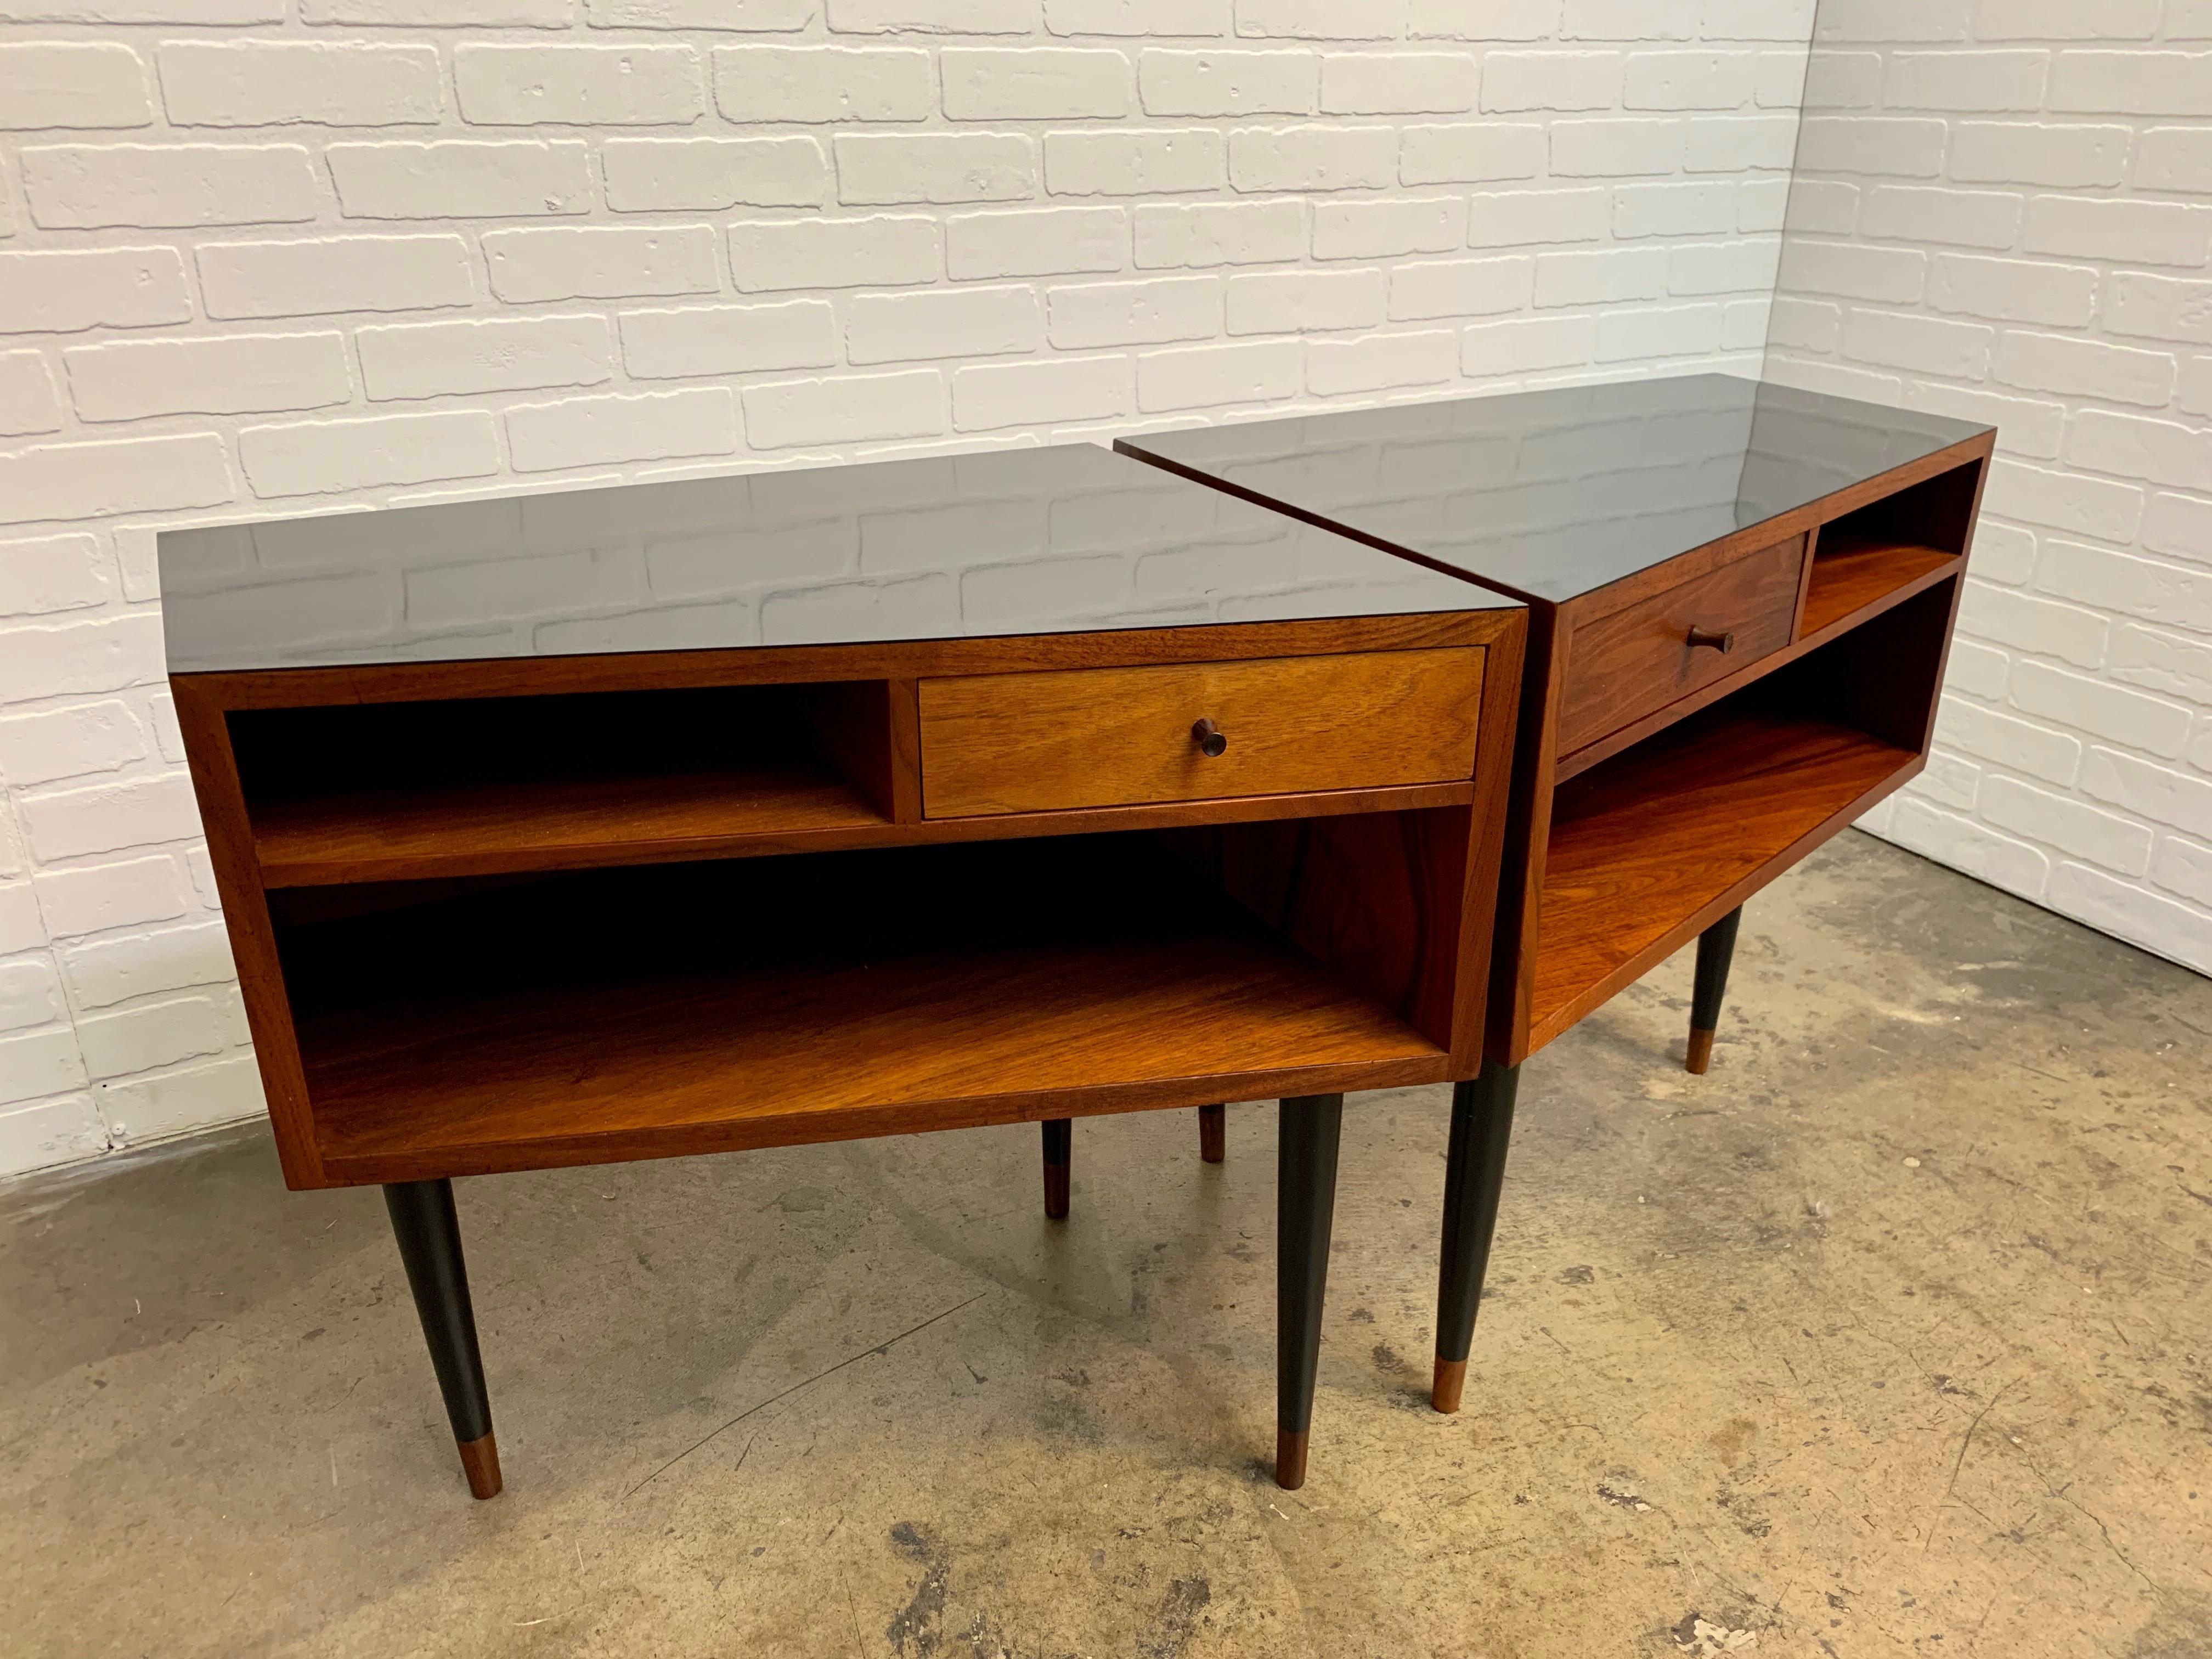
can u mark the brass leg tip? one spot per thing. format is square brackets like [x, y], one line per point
[1291, 1459]
[1451, 1379]
[480, 1463]
[1699, 1054]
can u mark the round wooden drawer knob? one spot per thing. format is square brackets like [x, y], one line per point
[1722, 643]
[1211, 739]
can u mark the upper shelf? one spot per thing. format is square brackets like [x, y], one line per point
[492, 786]
[518, 828]
[553, 824]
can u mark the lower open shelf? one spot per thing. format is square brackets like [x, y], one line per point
[1643, 842]
[705, 1007]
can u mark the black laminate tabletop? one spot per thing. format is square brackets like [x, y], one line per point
[1071, 540]
[1553, 495]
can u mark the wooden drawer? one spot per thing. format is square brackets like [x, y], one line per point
[1122, 737]
[1622, 665]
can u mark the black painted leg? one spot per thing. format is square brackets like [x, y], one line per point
[1058, 1137]
[1474, 1171]
[1305, 1201]
[1716, 951]
[429, 1235]
[1213, 1133]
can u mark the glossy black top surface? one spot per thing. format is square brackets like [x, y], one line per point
[1551, 494]
[1073, 539]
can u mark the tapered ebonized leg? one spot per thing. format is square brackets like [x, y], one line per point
[1058, 1137]
[1305, 1201]
[1213, 1133]
[1482, 1122]
[429, 1238]
[1716, 951]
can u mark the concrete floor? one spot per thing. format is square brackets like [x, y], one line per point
[1891, 1334]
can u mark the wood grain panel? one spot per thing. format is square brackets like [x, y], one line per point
[1380, 899]
[1638, 658]
[852, 726]
[1117, 736]
[906, 750]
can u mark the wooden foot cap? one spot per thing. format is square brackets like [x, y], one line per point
[1450, 1378]
[480, 1460]
[1055, 1191]
[1212, 1134]
[1700, 1054]
[1291, 1459]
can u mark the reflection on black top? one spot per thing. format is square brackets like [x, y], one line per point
[1551, 495]
[1071, 539]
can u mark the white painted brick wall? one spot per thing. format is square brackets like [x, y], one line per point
[270, 256]
[2067, 146]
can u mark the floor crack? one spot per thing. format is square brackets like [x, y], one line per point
[1965, 1446]
[761, 1406]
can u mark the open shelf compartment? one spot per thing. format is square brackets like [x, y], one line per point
[1889, 548]
[1656, 842]
[644, 1010]
[481, 786]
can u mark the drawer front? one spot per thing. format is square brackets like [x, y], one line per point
[1123, 736]
[1622, 666]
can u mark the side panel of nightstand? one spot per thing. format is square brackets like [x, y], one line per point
[1513, 661]
[252, 935]
[1526, 823]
